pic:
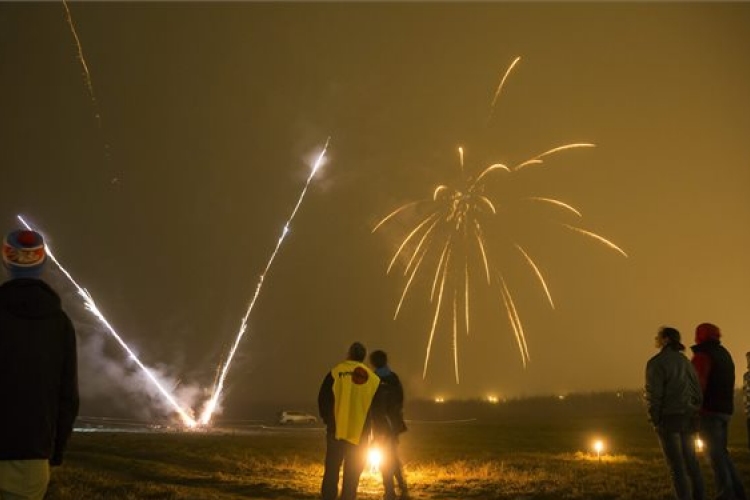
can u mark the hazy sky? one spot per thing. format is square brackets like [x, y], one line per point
[168, 207]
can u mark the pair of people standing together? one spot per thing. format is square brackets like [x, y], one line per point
[358, 404]
[685, 398]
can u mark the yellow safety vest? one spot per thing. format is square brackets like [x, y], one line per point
[354, 386]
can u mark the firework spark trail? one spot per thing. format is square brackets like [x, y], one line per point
[515, 321]
[89, 83]
[91, 307]
[219, 387]
[598, 238]
[500, 87]
[537, 272]
[86, 73]
[453, 231]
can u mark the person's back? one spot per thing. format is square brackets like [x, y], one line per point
[37, 346]
[38, 371]
[388, 422]
[387, 406]
[746, 391]
[718, 378]
[715, 369]
[672, 385]
[344, 402]
[353, 389]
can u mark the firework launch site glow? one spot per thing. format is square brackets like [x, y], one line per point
[91, 306]
[186, 415]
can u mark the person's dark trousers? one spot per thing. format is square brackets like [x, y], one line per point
[677, 442]
[340, 452]
[748, 432]
[388, 466]
[398, 474]
[714, 434]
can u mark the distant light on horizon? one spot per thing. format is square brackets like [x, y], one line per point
[598, 446]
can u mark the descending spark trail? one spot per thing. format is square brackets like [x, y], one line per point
[88, 81]
[91, 306]
[86, 73]
[219, 387]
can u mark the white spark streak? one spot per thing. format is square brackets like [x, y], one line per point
[210, 406]
[91, 307]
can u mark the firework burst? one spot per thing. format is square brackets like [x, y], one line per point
[447, 250]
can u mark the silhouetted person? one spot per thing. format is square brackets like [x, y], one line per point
[387, 423]
[715, 369]
[673, 397]
[38, 372]
[344, 403]
[746, 392]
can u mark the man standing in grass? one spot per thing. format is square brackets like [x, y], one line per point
[716, 374]
[388, 423]
[344, 403]
[673, 397]
[38, 372]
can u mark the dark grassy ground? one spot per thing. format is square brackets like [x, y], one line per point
[535, 450]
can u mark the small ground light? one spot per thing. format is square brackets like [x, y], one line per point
[698, 444]
[374, 457]
[493, 399]
[439, 400]
[598, 448]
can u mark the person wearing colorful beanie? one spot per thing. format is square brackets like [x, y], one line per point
[715, 369]
[38, 371]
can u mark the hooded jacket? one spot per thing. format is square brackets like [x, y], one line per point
[38, 372]
[715, 369]
[388, 405]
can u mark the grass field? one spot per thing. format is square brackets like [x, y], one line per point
[535, 450]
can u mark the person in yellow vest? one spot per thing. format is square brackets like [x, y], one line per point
[344, 403]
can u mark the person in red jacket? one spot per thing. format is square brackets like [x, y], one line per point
[38, 371]
[715, 370]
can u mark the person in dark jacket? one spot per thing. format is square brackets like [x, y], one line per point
[715, 369]
[38, 371]
[388, 423]
[746, 396]
[673, 397]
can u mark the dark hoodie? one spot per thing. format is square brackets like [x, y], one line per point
[38, 372]
[715, 370]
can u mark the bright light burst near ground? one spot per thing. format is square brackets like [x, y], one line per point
[446, 251]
